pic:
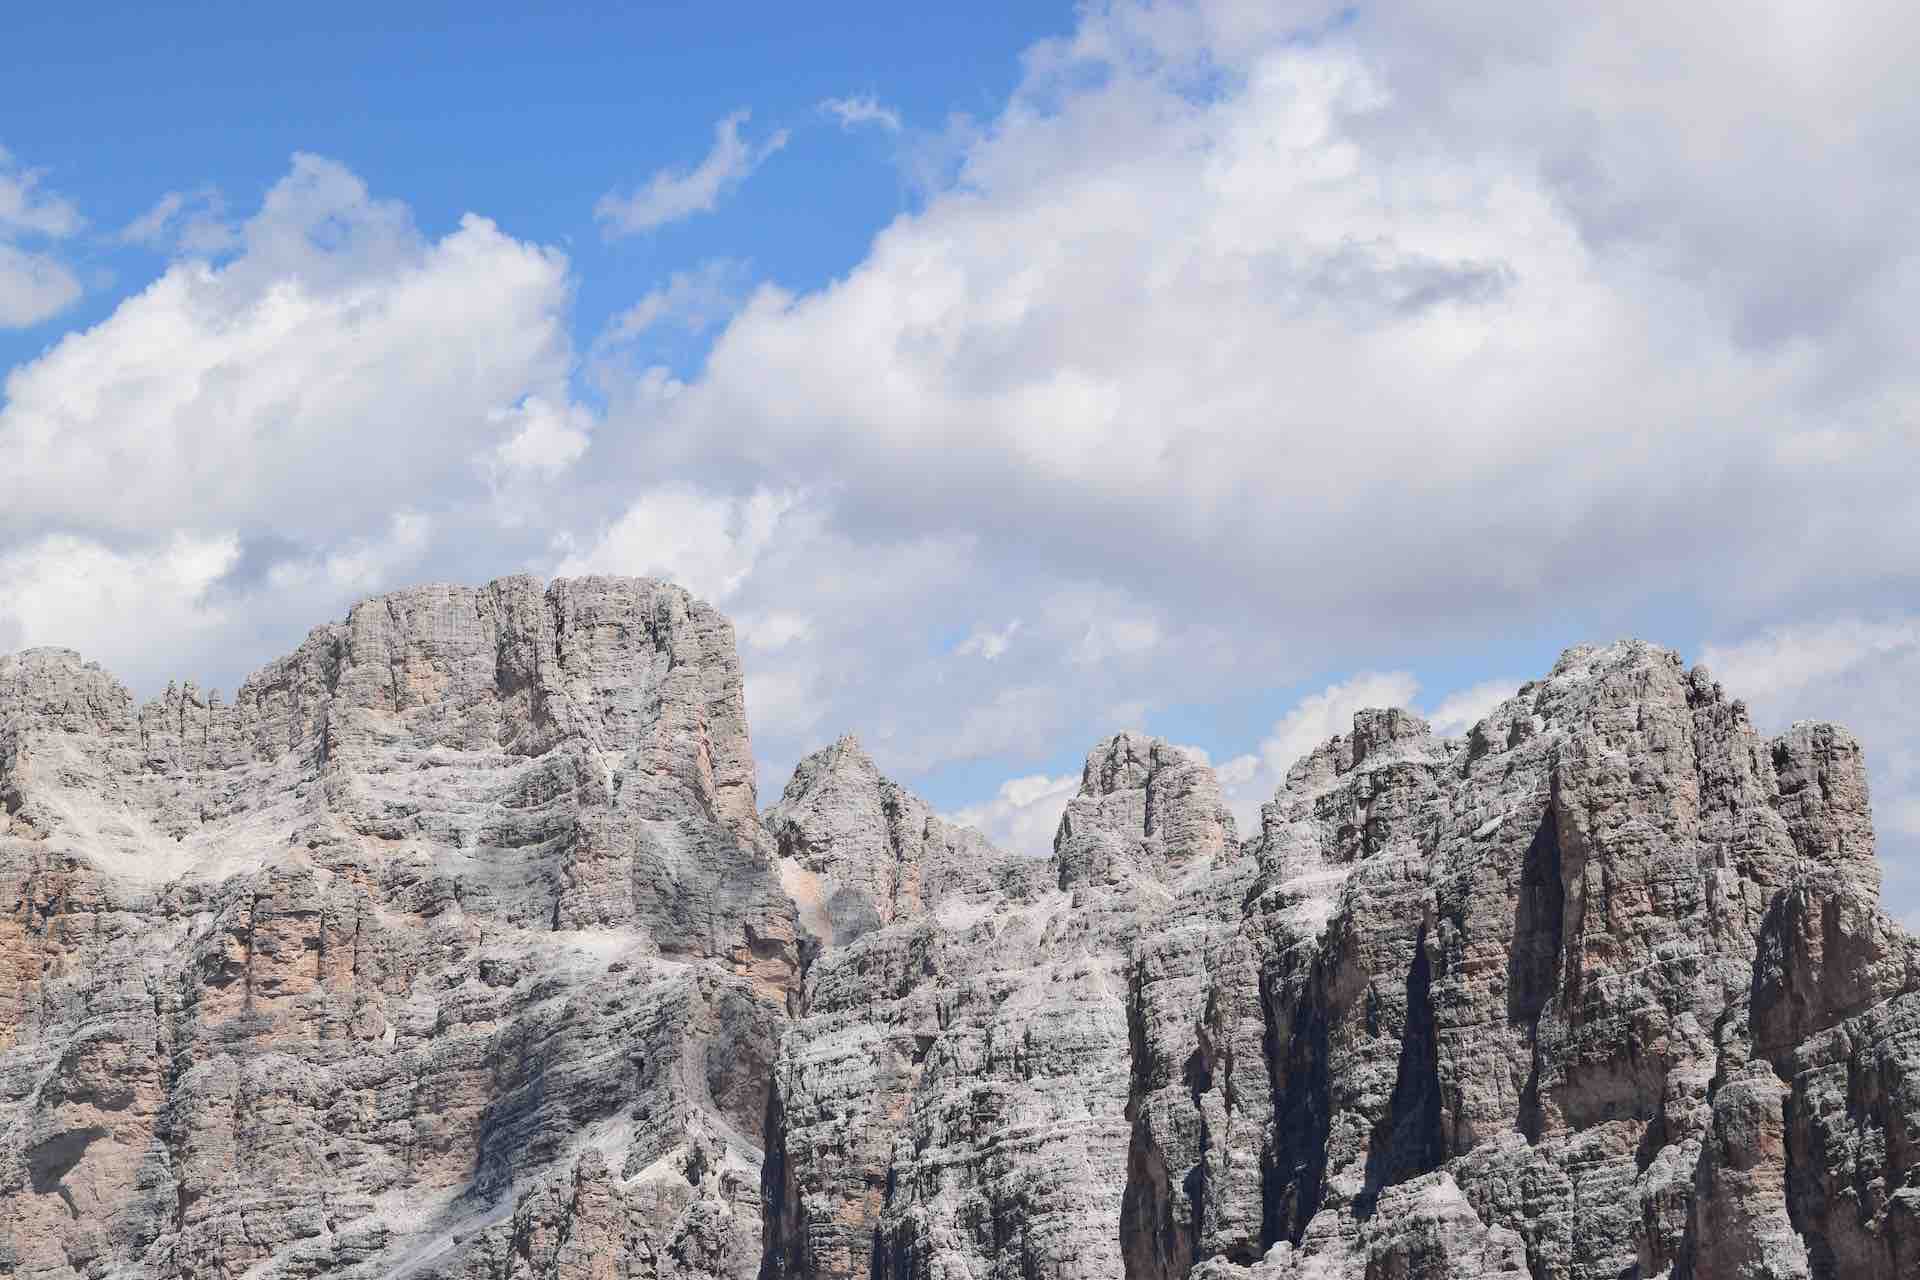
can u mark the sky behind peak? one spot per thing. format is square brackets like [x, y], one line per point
[1010, 376]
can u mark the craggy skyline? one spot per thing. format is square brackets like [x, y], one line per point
[1008, 379]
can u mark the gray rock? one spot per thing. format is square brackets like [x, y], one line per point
[454, 946]
[857, 851]
[343, 975]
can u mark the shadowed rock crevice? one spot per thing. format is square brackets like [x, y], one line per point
[453, 947]
[1159, 1229]
[1409, 1141]
[1302, 1113]
[51, 1161]
[1535, 963]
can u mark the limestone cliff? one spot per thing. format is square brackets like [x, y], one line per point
[454, 946]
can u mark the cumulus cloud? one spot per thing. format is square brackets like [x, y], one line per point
[1108, 638]
[359, 567]
[1249, 781]
[1023, 814]
[1857, 670]
[672, 194]
[857, 111]
[1319, 339]
[26, 206]
[238, 437]
[773, 631]
[1861, 672]
[694, 300]
[1220, 278]
[1461, 710]
[35, 284]
[547, 437]
[1776, 668]
[333, 370]
[33, 287]
[706, 543]
[74, 592]
[1247, 345]
[192, 222]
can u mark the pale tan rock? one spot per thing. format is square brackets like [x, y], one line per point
[453, 946]
[331, 978]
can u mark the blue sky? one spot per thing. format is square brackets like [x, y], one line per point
[526, 116]
[1204, 367]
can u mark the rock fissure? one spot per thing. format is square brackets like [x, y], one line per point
[453, 946]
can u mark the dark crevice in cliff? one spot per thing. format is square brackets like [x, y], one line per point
[1534, 965]
[1154, 1243]
[1409, 1140]
[1295, 1178]
[780, 1227]
[892, 1255]
[1802, 1187]
[52, 1160]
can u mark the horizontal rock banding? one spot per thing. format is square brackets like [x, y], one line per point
[453, 945]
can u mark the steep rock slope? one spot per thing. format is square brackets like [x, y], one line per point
[1601, 990]
[454, 947]
[957, 1098]
[329, 978]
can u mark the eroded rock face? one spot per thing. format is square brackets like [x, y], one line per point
[1601, 990]
[858, 851]
[454, 946]
[342, 976]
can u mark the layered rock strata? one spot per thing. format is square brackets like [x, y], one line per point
[361, 972]
[454, 946]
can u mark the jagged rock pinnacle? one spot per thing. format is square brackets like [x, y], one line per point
[453, 946]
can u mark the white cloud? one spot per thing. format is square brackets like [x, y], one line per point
[339, 367]
[867, 109]
[1345, 365]
[1023, 815]
[1247, 342]
[35, 285]
[193, 222]
[1902, 816]
[987, 642]
[1249, 781]
[1279, 341]
[707, 543]
[771, 632]
[693, 299]
[80, 594]
[1459, 711]
[1776, 667]
[1859, 672]
[1862, 673]
[28, 208]
[1108, 638]
[785, 703]
[547, 437]
[672, 194]
[222, 458]
[362, 566]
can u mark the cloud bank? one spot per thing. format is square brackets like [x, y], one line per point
[1249, 352]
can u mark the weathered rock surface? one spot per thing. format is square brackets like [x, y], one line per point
[454, 946]
[340, 976]
[857, 851]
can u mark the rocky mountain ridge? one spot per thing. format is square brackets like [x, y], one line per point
[456, 946]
